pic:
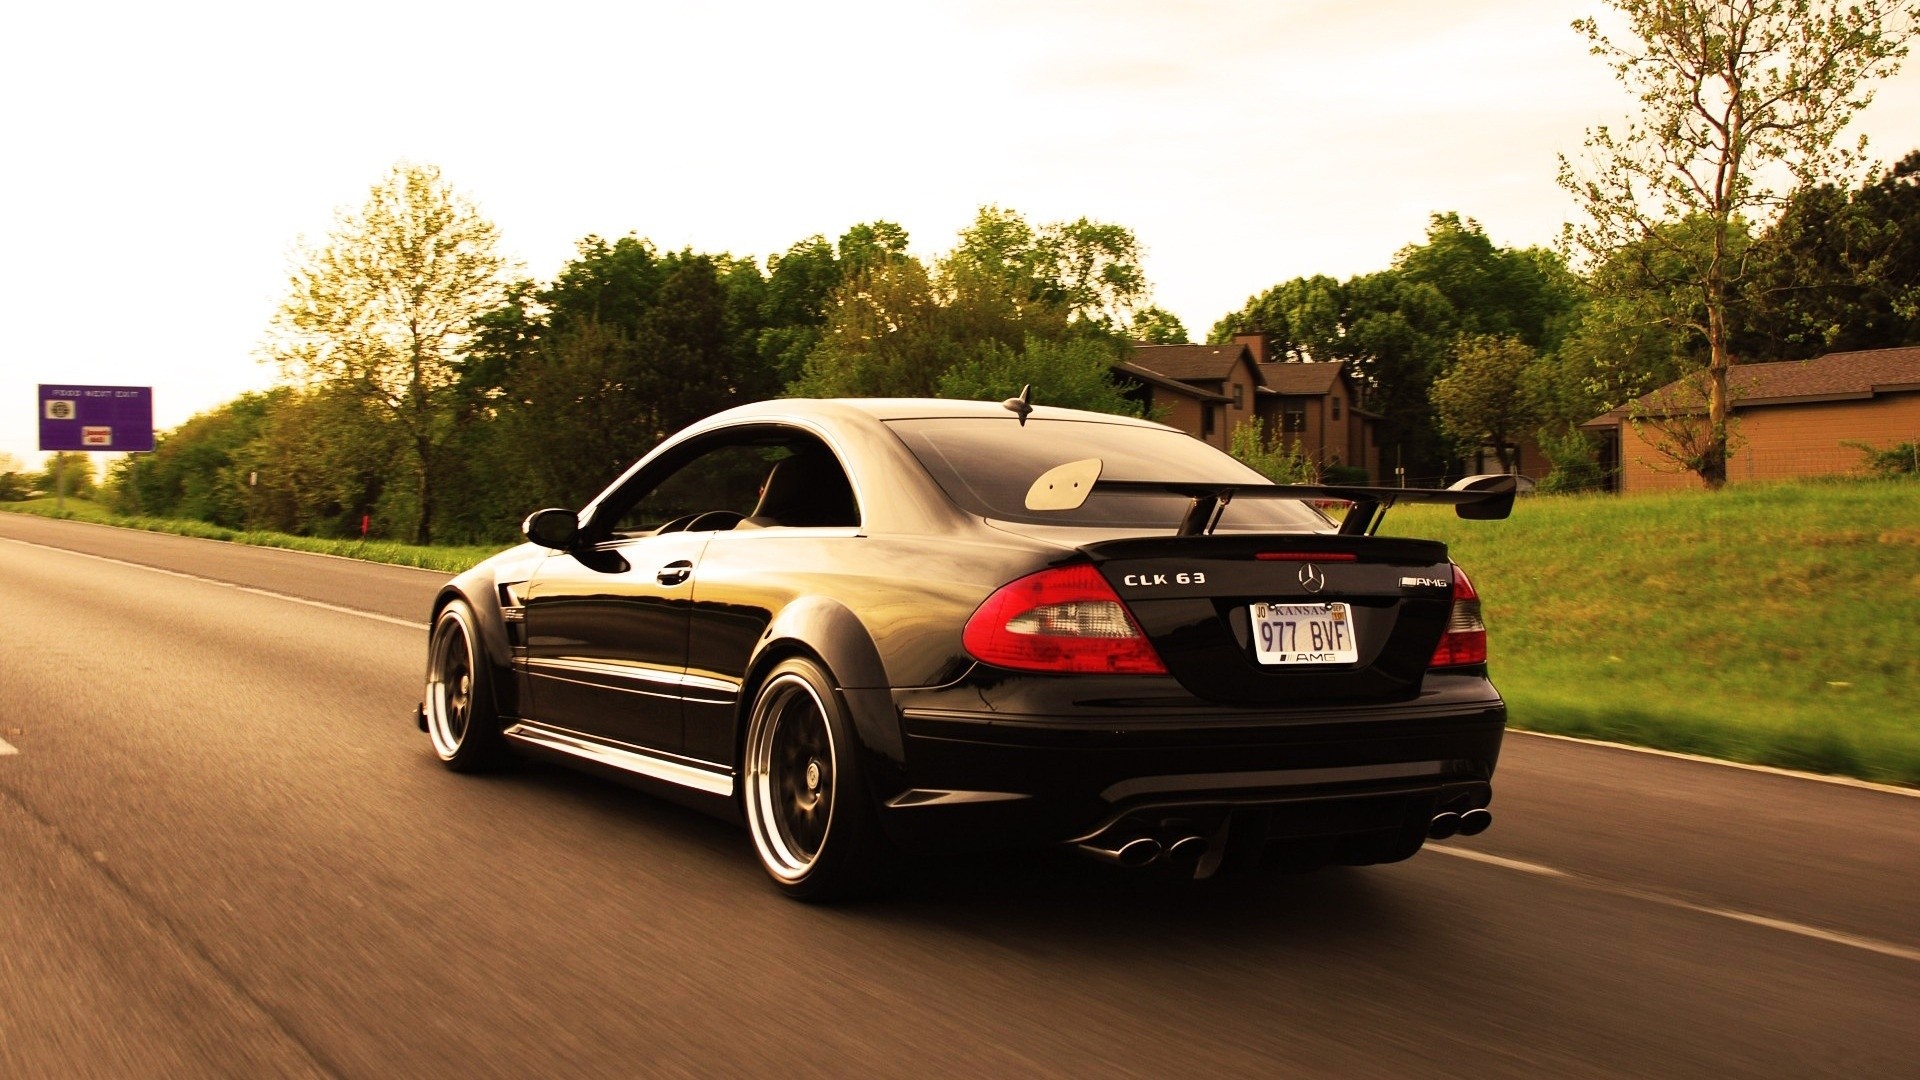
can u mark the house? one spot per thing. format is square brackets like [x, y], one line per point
[1791, 418]
[1209, 390]
[1204, 390]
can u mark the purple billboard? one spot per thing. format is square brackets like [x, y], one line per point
[117, 418]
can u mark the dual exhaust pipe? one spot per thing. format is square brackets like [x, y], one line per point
[1137, 851]
[1465, 823]
[1181, 848]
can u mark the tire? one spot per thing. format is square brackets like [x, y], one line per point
[461, 718]
[813, 823]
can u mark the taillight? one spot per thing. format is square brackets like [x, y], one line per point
[1465, 642]
[1066, 619]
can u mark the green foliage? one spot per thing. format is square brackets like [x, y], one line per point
[71, 473]
[896, 328]
[1838, 271]
[1396, 328]
[1073, 374]
[1575, 464]
[885, 336]
[1086, 271]
[1901, 459]
[1158, 327]
[1275, 457]
[1484, 398]
[387, 308]
[191, 471]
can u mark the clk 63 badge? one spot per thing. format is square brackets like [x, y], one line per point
[1136, 581]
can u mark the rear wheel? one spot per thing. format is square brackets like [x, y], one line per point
[812, 822]
[459, 699]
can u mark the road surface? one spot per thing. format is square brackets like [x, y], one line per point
[226, 851]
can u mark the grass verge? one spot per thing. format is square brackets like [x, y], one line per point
[451, 560]
[1770, 624]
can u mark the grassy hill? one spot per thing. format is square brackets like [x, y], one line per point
[1773, 624]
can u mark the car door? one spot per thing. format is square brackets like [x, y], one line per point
[607, 639]
[608, 622]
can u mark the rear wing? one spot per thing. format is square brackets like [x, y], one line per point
[1477, 498]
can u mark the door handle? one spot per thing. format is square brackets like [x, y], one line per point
[674, 573]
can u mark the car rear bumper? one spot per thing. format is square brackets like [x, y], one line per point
[990, 779]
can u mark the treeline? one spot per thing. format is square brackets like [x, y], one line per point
[427, 398]
[536, 394]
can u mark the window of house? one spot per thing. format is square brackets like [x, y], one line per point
[1206, 420]
[1239, 396]
[1336, 408]
[1293, 415]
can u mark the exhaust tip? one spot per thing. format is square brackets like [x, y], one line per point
[1138, 852]
[1443, 825]
[1475, 822]
[1187, 849]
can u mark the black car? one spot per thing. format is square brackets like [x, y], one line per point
[869, 626]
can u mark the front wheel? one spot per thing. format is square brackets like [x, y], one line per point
[459, 699]
[812, 821]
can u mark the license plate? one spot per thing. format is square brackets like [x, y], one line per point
[1304, 634]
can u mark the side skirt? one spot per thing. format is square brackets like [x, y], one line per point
[573, 747]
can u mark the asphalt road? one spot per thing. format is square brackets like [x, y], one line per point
[226, 851]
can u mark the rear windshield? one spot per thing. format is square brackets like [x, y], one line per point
[986, 465]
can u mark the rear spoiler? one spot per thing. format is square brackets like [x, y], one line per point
[1476, 498]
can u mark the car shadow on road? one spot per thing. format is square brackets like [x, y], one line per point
[1051, 895]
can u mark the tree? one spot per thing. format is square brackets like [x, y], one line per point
[1739, 101]
[387, 308]
[1074, 374]
[1086, 271]
[1156, 326]
[1840, 270]
[1484, 398]
[1396, 328]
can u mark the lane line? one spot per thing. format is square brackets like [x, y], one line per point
[410, 624]
[1832, 937]
[1772, 770]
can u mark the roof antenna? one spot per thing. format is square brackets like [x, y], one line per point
[1022, 405]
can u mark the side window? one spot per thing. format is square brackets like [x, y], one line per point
[726, 479]
[750, 478]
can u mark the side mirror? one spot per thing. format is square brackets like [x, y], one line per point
[556, 529]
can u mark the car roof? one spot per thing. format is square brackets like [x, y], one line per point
[885, 409]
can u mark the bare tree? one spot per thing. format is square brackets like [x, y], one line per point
[1740, 102]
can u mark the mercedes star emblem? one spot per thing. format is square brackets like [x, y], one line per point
[1311, 579]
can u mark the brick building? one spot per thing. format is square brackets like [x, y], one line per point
[1209, 390]
[1792, 418]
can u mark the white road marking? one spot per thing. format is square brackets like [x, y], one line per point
[1835, 937]
[410, 624]
[7, 748]
[1824, 778]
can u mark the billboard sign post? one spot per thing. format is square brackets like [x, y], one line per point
[84, 418]
[118, 418]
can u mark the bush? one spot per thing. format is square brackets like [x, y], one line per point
[1901, 460]
[1272, 458]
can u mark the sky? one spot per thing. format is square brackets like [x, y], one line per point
[164, 162]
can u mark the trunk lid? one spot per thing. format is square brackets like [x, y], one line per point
[1196, 597]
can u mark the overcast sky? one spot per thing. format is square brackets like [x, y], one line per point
[163, 160]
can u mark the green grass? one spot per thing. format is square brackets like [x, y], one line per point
[1776, 624]
[449, 559]
[1772, 624]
